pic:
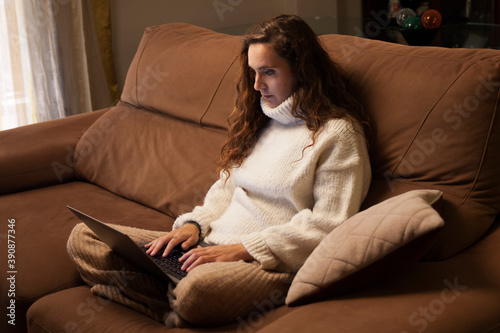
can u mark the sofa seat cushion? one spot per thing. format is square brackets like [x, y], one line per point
[78, 310]
[457, 295]
[43, 224]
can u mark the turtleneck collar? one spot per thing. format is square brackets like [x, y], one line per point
[282, 113]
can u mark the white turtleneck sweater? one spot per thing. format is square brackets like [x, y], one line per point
[283, 200]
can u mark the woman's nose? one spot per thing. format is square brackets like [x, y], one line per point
[258, 84]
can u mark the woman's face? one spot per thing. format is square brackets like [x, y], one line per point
[273, 75]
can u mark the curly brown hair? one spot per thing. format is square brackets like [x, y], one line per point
[322, 92]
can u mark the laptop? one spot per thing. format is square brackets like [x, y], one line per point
[167, 268]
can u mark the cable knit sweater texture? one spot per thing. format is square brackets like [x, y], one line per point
[283, 200]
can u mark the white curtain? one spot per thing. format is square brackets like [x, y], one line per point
[45, 68]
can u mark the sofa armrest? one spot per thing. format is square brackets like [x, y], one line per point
[41, 154]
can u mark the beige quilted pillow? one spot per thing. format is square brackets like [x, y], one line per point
[391, 234]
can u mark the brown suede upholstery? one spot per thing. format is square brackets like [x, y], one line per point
[180, 79]
[461, 88]
[153, 156]
[171, 178]
[45, 159]
[433, 112]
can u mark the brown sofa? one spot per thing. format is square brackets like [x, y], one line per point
[152, 157]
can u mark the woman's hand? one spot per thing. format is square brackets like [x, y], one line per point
[216, 253]
[188, 235]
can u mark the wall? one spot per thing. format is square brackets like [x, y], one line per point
[131, 17]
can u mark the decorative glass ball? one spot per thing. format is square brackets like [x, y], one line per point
[431, 19]
[403, 14]
[412, 23]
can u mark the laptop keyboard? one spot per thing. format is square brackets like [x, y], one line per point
[169, 263]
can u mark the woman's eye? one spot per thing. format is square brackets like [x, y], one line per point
[269, 72]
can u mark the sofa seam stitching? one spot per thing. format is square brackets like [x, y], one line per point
[161, 114]
[419, 129]
[136, 83]
[486, 146]
[216, 90]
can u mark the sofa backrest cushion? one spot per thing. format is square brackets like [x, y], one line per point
[159, 146]
[162, 163]
[184, 72]
[433, 116]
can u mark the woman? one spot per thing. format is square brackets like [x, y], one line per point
[303, 168]
[295, 164]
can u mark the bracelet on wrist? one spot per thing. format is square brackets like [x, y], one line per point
[197, 226]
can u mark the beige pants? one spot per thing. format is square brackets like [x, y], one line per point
[211, 294]
[115, 278]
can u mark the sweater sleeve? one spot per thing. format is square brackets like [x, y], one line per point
[341, 182]
[215, 203]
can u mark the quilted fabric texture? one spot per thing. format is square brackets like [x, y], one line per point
[368, 245]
